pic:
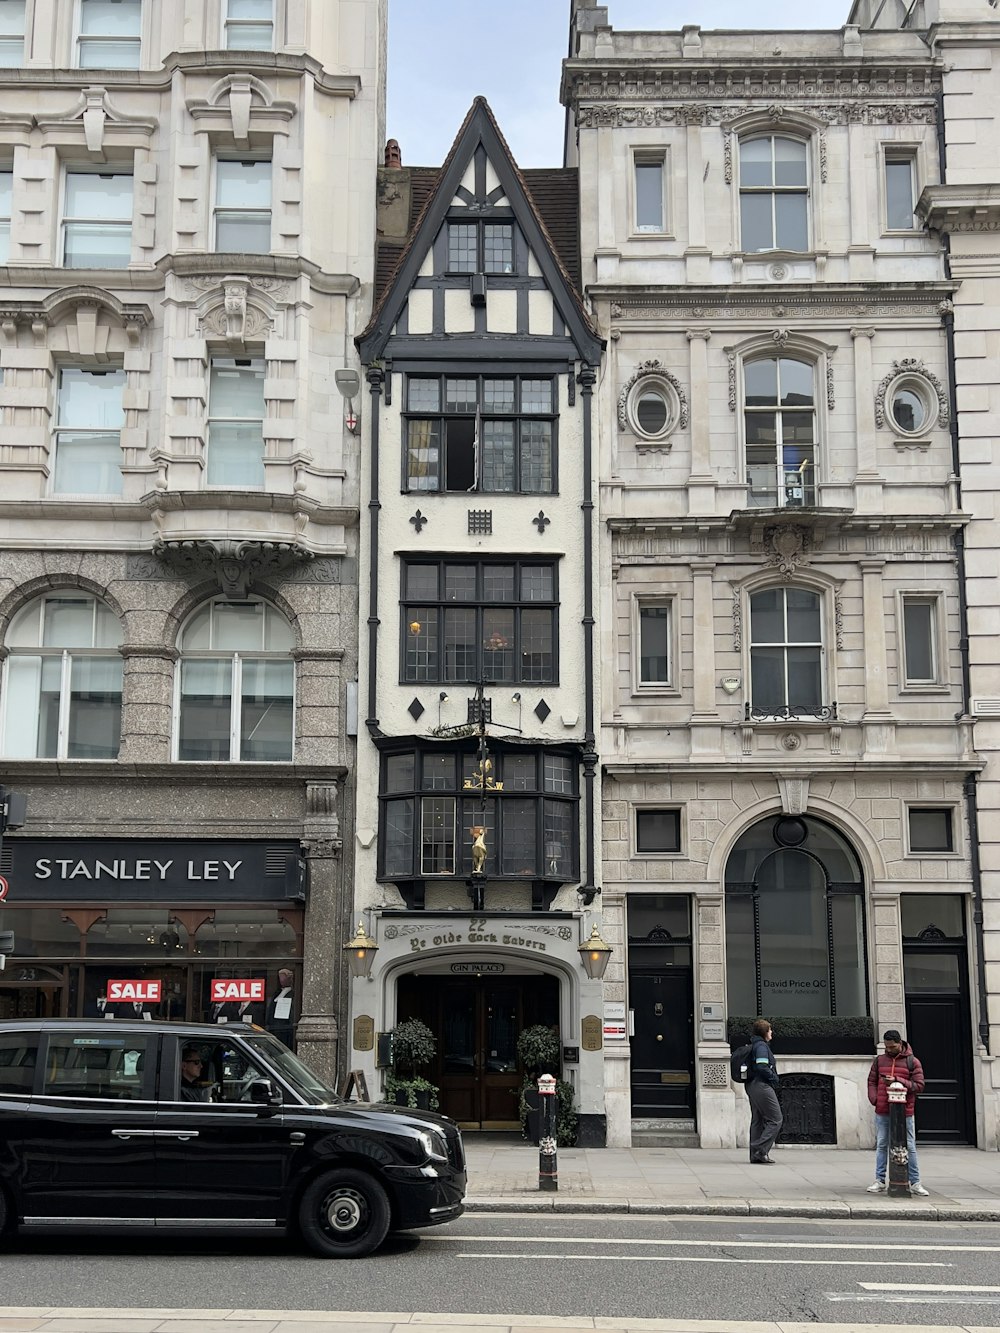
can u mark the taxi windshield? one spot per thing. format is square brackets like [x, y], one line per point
[300, 1077]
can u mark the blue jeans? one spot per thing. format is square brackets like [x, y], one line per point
[882, 1148]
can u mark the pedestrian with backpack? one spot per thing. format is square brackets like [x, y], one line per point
[897, 1065]
[761, 1088]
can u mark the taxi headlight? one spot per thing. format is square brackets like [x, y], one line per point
[433, 1143]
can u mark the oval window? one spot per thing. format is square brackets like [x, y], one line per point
[651, 412]
[909, 411]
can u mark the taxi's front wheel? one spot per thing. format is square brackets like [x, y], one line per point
[344, 1214]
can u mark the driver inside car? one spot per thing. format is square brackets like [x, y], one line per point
[193, 1087]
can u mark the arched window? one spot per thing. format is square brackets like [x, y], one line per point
[774, 194]
[795, 937]
[237, 678]
[786, 652]
[62, 696]
[779, 415]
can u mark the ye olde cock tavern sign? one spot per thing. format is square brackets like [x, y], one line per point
[518, 934]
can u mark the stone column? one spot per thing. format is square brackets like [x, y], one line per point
[868, 482]
[878, 721]
[318, 1031]
[717, 1122]
[705, 726]
[147, 703]
[861, 252]
[701, 482]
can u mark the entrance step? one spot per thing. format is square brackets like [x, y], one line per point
[664, 1134]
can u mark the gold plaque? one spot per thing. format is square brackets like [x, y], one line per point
[675, 1078]
[364, 1033]
[591, 1033]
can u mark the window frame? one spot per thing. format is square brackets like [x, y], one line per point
[80, 39]
[649, 600]
[6, 220]
[480, 224]
[810, 490]
[65, 656]
[893, 154]
[643, 158]
[6, 38]
[922, 808]
[254, 363]
[232, 213]
[228, 22]
[58, 428]
[794, 135]
[463, 758]
[237, 657]
[938, 629]
[910, 381]
[479, 606]
[798, 712]
[114, 226]
[440, 417]
[658, 808]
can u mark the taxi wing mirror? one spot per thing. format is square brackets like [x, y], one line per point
[266, 1096]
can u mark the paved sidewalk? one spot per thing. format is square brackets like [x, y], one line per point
[804, 1182]
[45, 1319]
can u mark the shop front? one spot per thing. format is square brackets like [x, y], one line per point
[168, 929]
[478, 981]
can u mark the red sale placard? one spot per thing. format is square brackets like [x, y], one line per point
[224, 989]
[126, 992]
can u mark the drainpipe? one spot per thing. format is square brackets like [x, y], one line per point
[970, 784]
[375, 377]
[586, 379]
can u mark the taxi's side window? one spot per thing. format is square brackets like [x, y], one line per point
[18, 1057]
[227, 1073]
[116, 1068]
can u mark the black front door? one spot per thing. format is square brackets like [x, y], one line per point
[938, 1030]
[663, 1044]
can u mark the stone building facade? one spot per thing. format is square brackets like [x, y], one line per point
[189, 231]
[786, 740]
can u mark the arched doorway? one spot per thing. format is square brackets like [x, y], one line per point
[795, 929]
[477, 1015]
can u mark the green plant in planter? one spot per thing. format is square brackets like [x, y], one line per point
[822, 1028]
[538, 1051]
[413, 1045]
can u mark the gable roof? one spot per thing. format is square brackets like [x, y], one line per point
[559, 263]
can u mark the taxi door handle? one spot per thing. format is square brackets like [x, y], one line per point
[134, 1133]
[182, 1134]
[297, 1138]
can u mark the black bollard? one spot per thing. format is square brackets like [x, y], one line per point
[899, 1154]
[548, 1167]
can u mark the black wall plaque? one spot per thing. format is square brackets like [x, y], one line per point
[809, 1108]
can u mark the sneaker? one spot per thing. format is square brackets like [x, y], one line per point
[919, 1190]
[878, 1188]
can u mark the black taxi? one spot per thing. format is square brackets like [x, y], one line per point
[185, 1125]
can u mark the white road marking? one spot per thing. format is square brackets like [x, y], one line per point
[912, 1298]
[924, 1286]
[933, 1248]
[712, 1259]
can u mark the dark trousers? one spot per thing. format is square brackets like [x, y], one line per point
[765, 1117]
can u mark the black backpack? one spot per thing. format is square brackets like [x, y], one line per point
[739, 1064]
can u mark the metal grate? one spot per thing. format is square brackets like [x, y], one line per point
[480, 522]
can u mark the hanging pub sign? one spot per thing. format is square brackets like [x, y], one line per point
[241, 989]
[139, 991]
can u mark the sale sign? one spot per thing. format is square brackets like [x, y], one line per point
[130, 992]
[224, 989]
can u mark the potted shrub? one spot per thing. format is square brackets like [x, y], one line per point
[413, 1045]
[538, 1051]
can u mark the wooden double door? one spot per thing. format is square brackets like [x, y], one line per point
[477, 1021]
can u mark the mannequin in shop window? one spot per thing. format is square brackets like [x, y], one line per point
[281, 1008]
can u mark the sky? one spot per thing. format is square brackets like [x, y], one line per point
[443, 53]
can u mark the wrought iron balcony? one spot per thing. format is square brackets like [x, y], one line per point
[792, 713]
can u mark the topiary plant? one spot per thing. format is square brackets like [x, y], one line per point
[538, 1051]
[413, 1044]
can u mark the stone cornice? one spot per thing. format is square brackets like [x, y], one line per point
[820, 301]
[750, 79]
[960, 208]
[619, 114]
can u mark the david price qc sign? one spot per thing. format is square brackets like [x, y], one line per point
[123, 870]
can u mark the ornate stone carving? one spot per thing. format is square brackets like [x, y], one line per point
[785, 545]
[780, 337]
[831, 400]
[236, 564]
[737, 620]
[621, 116]
[911, 365]
[731, 362]
[822, 158]
[657, 370]
[838, 619]
[141, 567]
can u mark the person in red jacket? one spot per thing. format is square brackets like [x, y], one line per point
[897, 1065]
